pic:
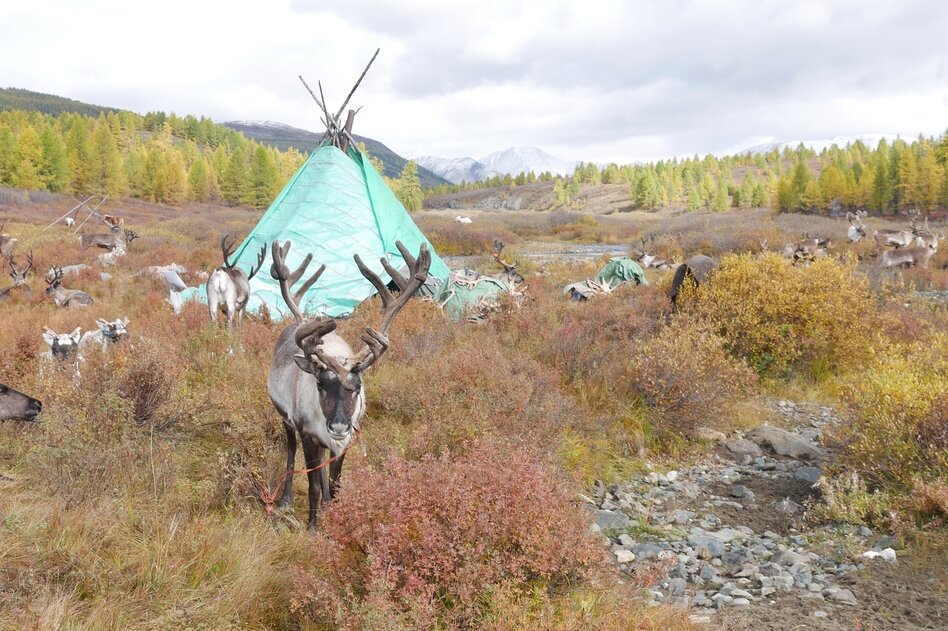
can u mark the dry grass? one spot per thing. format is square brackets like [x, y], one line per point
[134, 504]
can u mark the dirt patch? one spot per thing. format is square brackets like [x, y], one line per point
[908, 596]
[760, 515]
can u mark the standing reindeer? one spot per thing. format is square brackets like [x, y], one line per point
[315, 380]
[908, 257]
[228, 287]
[73, 298]
[898, 238]
[19, 279]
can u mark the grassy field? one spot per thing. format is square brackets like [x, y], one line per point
[134, 504]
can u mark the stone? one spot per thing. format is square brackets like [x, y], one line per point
[677, 585]
[740, 602]
[820, 614]
[839, 595]
[740, 447]
[741, 491]
[627, 540]
[695, 619]
[708, 572]
[862, 531]
[710, 435]
[648, 550]
[740, 593]
[671, 476]
[610, 520]
[787, 506]
[788, 558]
[808, 474]
[681, 517]
[624, 556]
[784, 443]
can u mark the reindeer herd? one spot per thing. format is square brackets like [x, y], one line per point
[315, 379]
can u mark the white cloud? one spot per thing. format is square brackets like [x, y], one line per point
[597, 80]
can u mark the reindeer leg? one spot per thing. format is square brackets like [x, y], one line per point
[335, 472]
[287, 498]
[314, 455]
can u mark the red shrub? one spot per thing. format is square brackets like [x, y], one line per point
[432, 540]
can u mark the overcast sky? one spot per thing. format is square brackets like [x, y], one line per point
[584, 80]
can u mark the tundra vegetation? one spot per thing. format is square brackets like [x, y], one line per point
[135, 502]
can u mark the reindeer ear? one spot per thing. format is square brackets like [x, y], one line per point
[305, 364]
[48, 336]
[75, 335]
[124, 321]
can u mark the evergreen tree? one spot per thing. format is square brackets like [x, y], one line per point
[54, 169]
[411, 194]
[29, 158]
[107, 176]
[719, 201]
[263, 178]
[234, 178]
[7, 155]
[199, 184]
[79, 154]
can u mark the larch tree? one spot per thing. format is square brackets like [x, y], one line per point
[54, 169]
[411, 194]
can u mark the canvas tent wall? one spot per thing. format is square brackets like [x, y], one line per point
[335, 206]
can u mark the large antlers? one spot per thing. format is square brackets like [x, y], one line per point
[260, 259]
[14, 272]
[280, 272]
[228, 248]
[498, 247]
[376, 342]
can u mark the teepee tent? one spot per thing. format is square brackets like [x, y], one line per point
[336, 206]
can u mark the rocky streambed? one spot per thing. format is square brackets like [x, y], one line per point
[728, 532]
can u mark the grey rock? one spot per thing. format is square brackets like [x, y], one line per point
[788, 558]
[711, 435]
[740, 602]
[740, 447]
[862, 531]
[677, 585]
[784, 443]
[741, 491]
[787, 506]
[682, 517]
[708, 572]
[820, 614]
[610, 520]
[624, 556]
[649, 550]
[840, 595]
[808, 474]
[626, 540]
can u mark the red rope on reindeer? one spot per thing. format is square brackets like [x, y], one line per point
[269, 497]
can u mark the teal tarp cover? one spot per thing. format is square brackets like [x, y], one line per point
[335, 206]
[621, 269]
[459, 296]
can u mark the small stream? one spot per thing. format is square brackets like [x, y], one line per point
[546, 252]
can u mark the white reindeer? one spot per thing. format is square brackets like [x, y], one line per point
[228, 288]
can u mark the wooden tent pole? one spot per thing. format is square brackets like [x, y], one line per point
[74, 208]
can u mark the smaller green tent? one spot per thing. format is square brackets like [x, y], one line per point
[621, 269]
[469, 296]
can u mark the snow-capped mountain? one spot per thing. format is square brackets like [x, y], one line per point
[510, 161]
[525, 159]
[871, 140]
[456, 170]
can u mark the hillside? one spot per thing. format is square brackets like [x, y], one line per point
[284, 136]
[18, 99]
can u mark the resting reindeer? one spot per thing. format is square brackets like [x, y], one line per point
[112, 241]
[15, 405]
[646, 259]
[228, 287]
[19, 279]
[6, 242]
[857, 229]
[315, 380]
[73, 298]
[108, 333]
[510, 273]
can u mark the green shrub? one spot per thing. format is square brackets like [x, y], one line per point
[785, 319]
